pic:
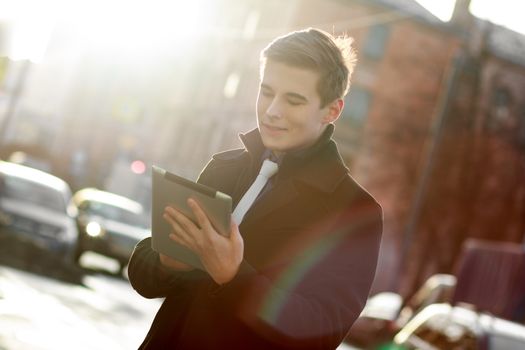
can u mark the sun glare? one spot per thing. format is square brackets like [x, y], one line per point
[503, 12]
[142, 24]
[25, 33]
[110, 26]
[442, 9]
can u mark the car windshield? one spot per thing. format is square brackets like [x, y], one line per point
[115, 213]
[28, 191]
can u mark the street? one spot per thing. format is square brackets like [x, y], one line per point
[98, 311]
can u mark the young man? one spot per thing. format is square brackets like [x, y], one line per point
[296, 270]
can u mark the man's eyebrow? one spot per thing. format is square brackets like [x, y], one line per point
[297, 96]
[293, 95]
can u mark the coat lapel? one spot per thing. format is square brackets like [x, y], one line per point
[283, 193]
[322, 169]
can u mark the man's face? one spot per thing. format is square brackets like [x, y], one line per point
[289, 116]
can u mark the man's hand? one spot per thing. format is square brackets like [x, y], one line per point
[220, 256]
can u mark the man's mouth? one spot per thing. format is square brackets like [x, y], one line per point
[273, 128]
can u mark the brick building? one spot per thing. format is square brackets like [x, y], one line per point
[434, 128]
[475, 185]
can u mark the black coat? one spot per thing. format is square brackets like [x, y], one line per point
[310, 252]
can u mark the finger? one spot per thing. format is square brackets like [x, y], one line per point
[200, 215]
[177, 231]
[193, 235]
[178, 239]
[182, 220]
[171, 220]
[172, 212]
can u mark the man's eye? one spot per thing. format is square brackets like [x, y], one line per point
[266, 94]
[295, 103]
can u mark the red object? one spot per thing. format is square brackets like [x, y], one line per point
[138, 167]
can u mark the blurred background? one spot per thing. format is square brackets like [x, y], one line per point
[95, 92]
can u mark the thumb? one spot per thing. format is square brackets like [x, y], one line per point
[234, 231]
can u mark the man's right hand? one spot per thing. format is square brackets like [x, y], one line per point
[173, 264]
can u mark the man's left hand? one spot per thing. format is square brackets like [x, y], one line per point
[220, 255]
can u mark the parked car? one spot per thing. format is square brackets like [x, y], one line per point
[36, 208]
[442, 326]
[109, 224]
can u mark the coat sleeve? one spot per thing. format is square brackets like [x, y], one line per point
[312, 299]
[151, 279]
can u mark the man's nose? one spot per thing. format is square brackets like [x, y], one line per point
[275, 109]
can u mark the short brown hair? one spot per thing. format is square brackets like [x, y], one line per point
[332, 57]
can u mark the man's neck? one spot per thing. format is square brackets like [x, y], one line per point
[277, 154]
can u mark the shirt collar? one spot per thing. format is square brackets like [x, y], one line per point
[324, 173]
[326, 136]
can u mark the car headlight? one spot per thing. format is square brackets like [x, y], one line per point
[94, 229]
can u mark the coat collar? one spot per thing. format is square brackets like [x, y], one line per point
[319, 166]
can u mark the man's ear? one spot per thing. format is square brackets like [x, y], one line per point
[334, 110]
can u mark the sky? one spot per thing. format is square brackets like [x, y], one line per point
[502, 12]
[34, 27]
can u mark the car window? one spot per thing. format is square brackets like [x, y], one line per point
[32, 192]
[112, 212]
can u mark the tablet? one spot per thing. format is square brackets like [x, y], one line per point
[169, 189]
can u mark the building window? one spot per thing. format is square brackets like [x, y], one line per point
[231, 85]
[376, 40]
[501, 100]
[357, 104]
[501, 116]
